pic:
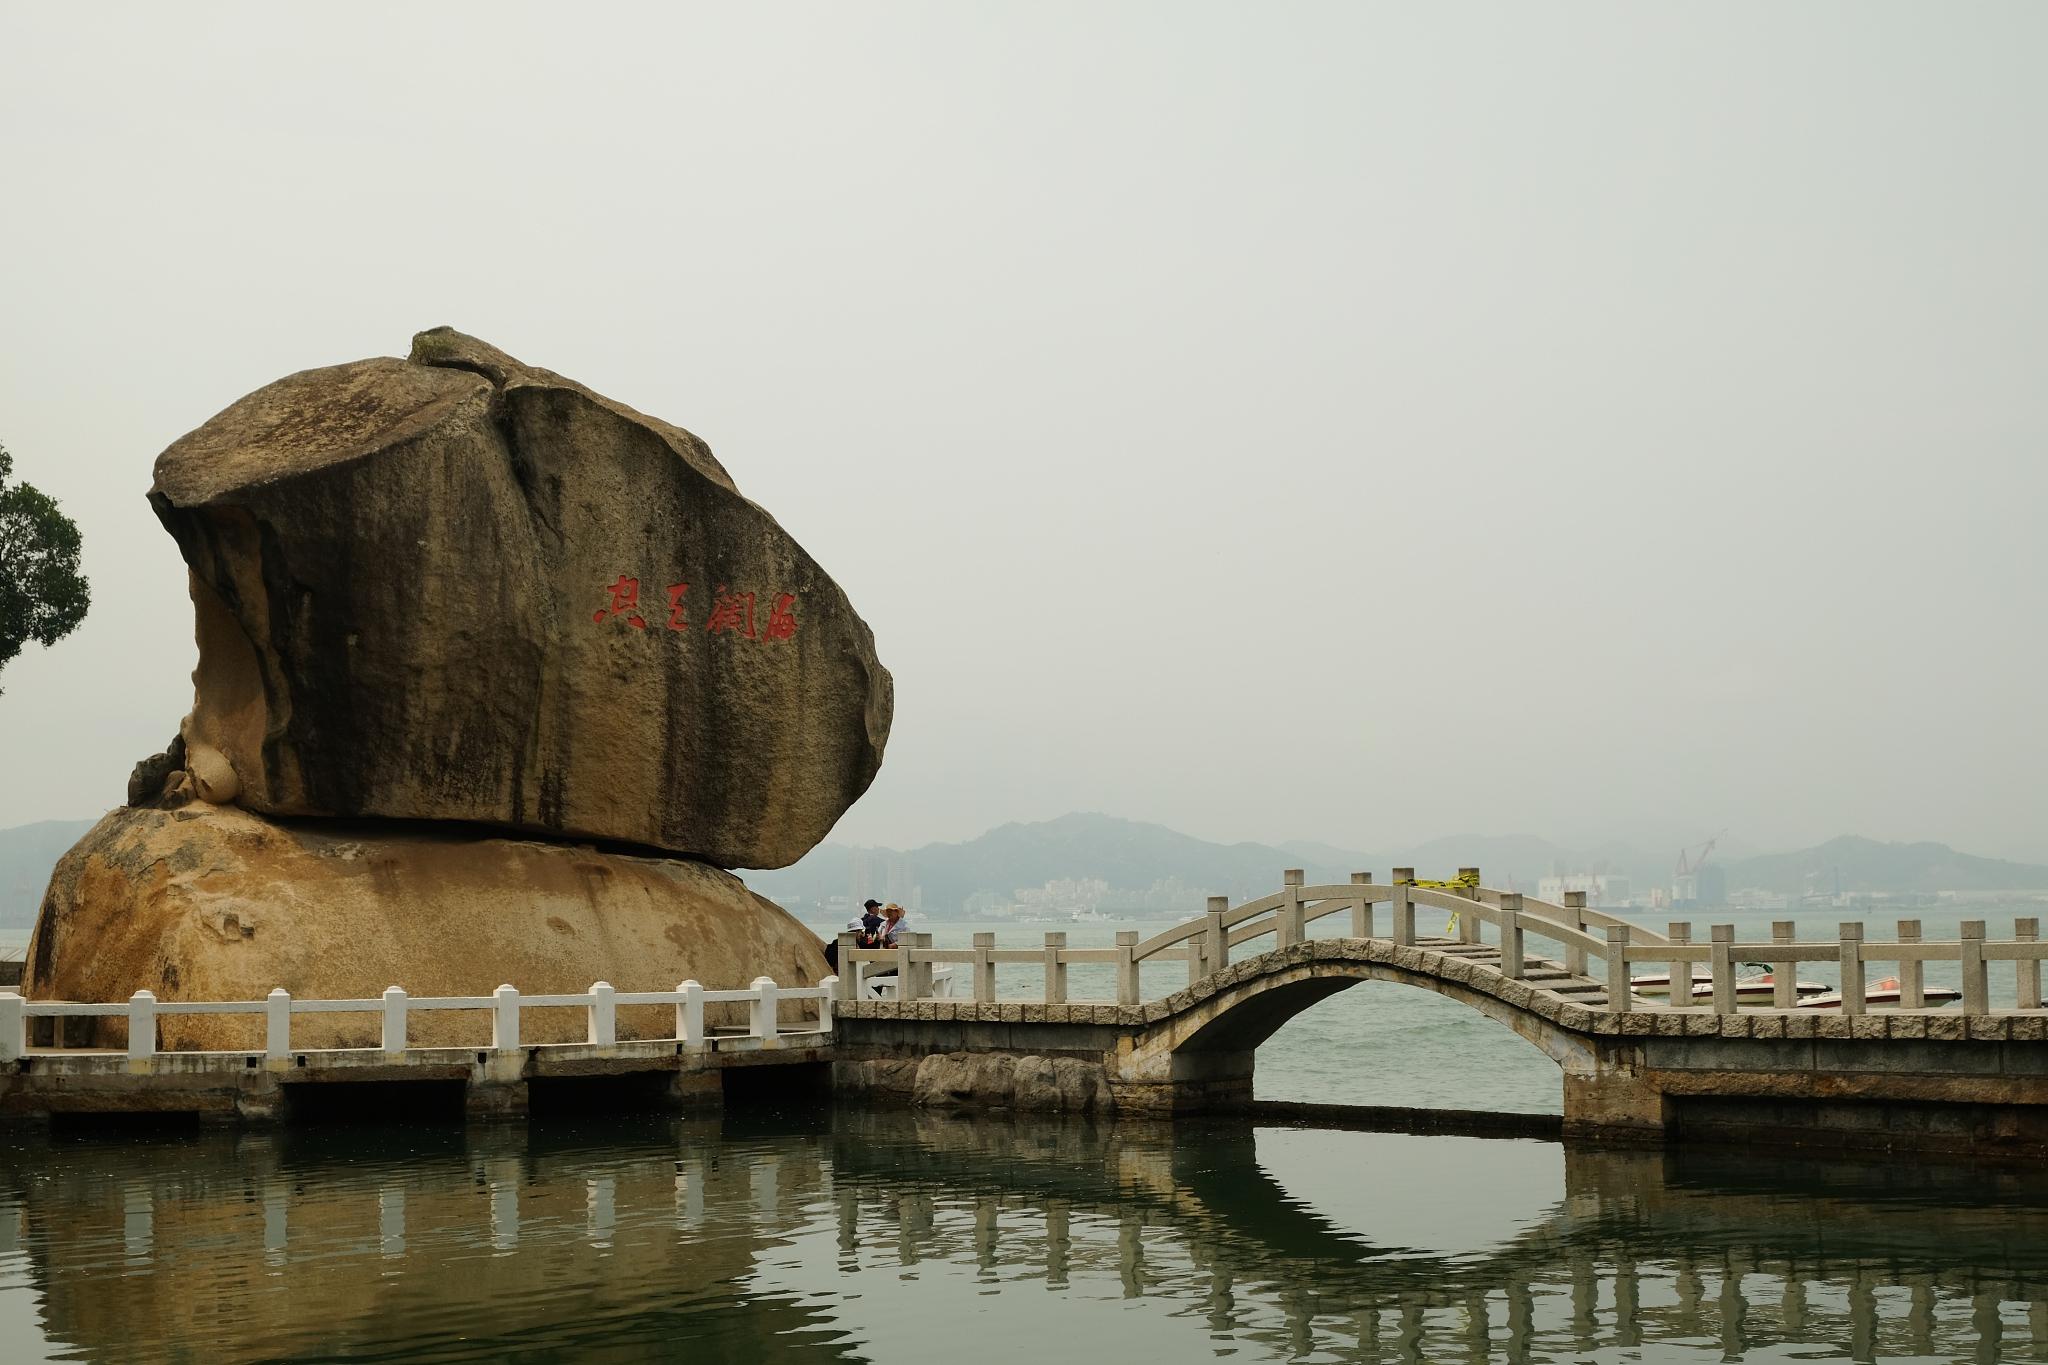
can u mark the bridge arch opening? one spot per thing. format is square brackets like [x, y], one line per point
[1410, 1041]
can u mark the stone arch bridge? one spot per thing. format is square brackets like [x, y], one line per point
[1718, 1063]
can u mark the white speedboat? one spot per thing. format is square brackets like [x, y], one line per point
[1753, 990]
[1885, 995]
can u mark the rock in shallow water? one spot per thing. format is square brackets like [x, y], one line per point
[214, 903]
[459, 588]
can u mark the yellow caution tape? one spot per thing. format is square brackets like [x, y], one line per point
[1468, 880]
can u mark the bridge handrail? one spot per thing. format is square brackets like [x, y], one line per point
[142, 1010]
[1583, 934]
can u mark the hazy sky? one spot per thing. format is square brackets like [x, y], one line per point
[1349, 422]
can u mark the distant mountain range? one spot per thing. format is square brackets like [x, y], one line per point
[1132, 856]
[1176, 870]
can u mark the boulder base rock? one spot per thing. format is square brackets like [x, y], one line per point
[456, 587]
[215, 903]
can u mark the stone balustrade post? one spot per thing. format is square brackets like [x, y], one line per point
[1575, 915]
[277, 1025]
[1855, 990]
[984, 968]
[1293, 926]
[1511, 959]
[505, 1018]
[1912, 975]
[603, 1014]
[906, 983]
[1126, 967]
[394, 1021]
[1976, 982]
[1680, 992]
[847, 982]
[2027, 972]
[763, 1008]
[1361, 909]
[13, 1026]
[1721, 960]
[1404, 908]
[828, 990]
[690, 1012]
[1620, 998]
[924, 970]
[1055, 968]
[1216, 952]
[1468, 887]
[1784, 971]
[141, 1026]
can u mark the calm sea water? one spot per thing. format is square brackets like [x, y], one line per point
[904, 1238]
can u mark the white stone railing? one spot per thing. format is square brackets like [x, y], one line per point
[601, 1004]
[1581, 936]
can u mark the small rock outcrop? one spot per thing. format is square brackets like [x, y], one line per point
[456, 587]
[214, 903]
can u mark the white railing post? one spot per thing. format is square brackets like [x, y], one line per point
[828, 988]
[277, 1025]
[1198, 954]
[1619, 999]
[1855, 990]
[1127, 966]
[984, 968]
[906, 984]
[603, 1014]
[505, 1018]
[762, 1008]
[1575, 916]
[1721, 958]
[394, 1020]
[13, 1026]
[1055, 968]
[1216, 952]
[2027, 971]
[1404, 908]
[847, 983]
[926, 971]
[1293, 927]
[141, 1026]
[690, 1013]
[1912, 975]
[1784, 971]
[1976, 983]
[1361, 909]
[1681, 972]
[1511, 961]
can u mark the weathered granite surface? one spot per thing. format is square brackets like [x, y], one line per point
[456, 587]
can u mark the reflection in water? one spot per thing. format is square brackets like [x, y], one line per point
[902, 1238]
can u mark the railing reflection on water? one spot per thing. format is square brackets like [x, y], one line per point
[517, 1230]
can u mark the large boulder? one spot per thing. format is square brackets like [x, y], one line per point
[210, 902]
[455, 587]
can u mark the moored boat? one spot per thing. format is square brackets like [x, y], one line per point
[1748, 989]
[1885, 995]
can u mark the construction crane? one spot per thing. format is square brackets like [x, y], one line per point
[1687, 869]
[1685, 880]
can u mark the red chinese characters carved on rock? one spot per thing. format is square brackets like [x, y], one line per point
[625, 603]
[731, 612]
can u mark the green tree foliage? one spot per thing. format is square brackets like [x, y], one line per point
[43, 597]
